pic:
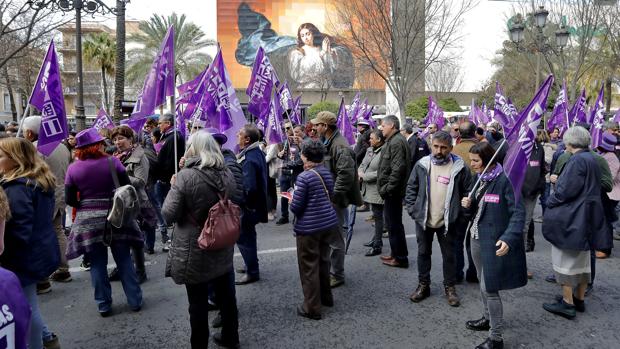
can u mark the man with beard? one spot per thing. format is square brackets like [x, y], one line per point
[436, 186]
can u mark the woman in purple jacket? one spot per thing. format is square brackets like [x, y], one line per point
[315, 221]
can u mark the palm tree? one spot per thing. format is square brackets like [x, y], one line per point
[189, 46]
[100, 49]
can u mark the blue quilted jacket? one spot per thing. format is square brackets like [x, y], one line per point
[311, 205]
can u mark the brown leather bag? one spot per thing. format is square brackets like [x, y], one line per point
[223, 225]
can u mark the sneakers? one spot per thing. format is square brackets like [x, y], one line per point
[51, 343]
[333, 282]
[44, 287]
[616, 236]
[550, 278]
[167, 245]
[453, 298]
[561, 308]
[282, 220]
[385, 235]
[579, 304]
[61, 276]
[422, 292]
[84, 266]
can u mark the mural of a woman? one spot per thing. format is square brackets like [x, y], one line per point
[318, 62]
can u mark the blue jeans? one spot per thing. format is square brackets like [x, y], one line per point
[286, 182]
[247, 244]
[161, 191]
[99, 275]
[38, 329]
[545, 195]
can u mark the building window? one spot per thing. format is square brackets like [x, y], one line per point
[7, 102]
[90, 109]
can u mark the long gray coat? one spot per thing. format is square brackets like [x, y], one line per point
[188, 204]
[368, 171]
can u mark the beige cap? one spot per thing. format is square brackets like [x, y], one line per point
[324, 117]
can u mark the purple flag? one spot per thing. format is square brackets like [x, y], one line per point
[485, 118]
[578, 111]
[518, 154]
[559, 116]
[103, 120]
[616, 116]
[344, 123]
[473, 116]
[505, 112]
[134, 124]
[274, 132]
[284, 101]
[15, 324]
[47, 96]
[180, 120]
[598, 120]
[187, 89]
[261, 84]
[435, 114]
[354, 108]
[296, 111]
[159, 82]
[368, 115]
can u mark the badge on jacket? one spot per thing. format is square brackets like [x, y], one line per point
[534, 163]
[443, 179]
[491, 198]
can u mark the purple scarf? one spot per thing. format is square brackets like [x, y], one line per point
[492, 174]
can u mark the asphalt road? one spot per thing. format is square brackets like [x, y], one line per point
[372, 310]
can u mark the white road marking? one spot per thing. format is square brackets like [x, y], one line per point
[272, 251]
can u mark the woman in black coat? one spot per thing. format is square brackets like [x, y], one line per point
[574, 223]
[497, 247]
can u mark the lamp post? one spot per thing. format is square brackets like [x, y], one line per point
[540, 44]
[90, 7]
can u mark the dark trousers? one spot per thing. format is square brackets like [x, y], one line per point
[461, 242]
[161, 191]
[313, 258]
[247, 244]
[286, 182]
[377, 213]
[272, 194]
[393, 209]
[224, 288]
[425, 250]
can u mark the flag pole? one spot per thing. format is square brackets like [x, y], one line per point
[21, 121]
[473, 189]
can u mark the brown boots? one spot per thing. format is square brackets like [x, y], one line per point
[423, 291]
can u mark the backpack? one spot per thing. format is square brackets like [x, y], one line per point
[125, 202]
[223, 225]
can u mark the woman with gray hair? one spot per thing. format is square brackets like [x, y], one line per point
[572, 223]
[194, 191]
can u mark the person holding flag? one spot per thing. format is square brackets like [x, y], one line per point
[495, 230]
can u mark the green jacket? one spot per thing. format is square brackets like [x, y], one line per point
[607, 182]
[340, 160]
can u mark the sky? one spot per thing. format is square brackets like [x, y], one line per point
[484, 30]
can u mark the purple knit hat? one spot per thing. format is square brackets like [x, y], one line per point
[608, 143]
[87, 137]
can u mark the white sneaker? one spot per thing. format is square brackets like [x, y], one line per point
[270, 216]
[166, 247]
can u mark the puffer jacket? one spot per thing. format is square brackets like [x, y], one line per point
[416, 200]
[368, 171]
[30, 245]
[340, 160]
[188, 204]
[311, 204]
[394, 167]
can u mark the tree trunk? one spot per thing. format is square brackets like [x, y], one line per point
[9, 87]
[607, 94]
[119, 81]
[106, 98]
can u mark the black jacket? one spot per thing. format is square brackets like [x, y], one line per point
[394, 167]
[534, 182]
[418, 148]
[362, 144]
[165, 159]
[340, 160]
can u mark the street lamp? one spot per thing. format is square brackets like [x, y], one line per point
[539, 44]
[90, 7]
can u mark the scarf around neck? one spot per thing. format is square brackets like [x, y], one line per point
[492, 174]
[441, 162]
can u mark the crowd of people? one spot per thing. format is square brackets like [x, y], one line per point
[449, 181]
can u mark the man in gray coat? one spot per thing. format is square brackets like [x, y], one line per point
[437, 184]
[58, 161]
[394, 168]
[340, 160]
